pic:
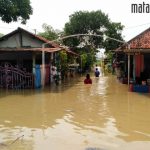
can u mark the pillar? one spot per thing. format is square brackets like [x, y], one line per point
[128, 71]
[33, 63]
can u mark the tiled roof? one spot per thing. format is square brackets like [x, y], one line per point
[68, 50]
[141, 41]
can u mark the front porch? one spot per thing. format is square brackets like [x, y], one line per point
[23, 69]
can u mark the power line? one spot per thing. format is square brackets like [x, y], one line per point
[131, 27]
[126, 28]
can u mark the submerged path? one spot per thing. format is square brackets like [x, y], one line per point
[74, 116]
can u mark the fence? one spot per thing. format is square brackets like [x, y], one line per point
[14, 78]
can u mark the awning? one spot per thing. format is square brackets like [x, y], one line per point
[49, 50]
[136, 51]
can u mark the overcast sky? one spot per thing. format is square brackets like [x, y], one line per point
[56, 13]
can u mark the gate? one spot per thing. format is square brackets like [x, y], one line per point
[15, 78]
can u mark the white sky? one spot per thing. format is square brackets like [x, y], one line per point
[56, 13]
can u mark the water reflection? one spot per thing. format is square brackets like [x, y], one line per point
[102, 116]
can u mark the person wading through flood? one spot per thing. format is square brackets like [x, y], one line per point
[88, 80]
[97, 73]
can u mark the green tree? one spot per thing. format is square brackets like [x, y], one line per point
[14, 10]
[114, 31]
[64, 63]
[94, 22]
[49, 33]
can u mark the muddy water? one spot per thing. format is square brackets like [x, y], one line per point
[74, 116]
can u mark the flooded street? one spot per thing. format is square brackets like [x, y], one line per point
[74, 116]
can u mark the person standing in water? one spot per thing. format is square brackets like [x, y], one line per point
[100, 69]
[97, 73]
[88, 80]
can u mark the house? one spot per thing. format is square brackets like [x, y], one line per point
[26, 59]
[137, 58]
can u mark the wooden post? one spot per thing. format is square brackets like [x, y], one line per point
[33, 68]
[129, 71]
[51, 60]
[43, 66]
[81, 66]
[33, 62]
[134, 67]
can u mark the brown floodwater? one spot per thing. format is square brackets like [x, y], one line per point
[74, 116]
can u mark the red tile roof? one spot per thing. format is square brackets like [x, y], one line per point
[68, 50]
[141, 41]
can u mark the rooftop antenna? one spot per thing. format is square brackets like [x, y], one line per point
[34, 31]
